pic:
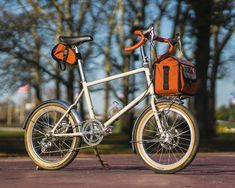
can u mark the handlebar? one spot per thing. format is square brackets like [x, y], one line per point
[138, 44]
[170, 49]
[145, 36]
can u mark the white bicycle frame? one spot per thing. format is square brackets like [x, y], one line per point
[149, 91]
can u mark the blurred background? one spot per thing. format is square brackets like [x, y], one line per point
[29, 29]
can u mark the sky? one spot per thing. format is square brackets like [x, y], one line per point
[224, 87]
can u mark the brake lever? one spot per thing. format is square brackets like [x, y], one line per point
[152, 35]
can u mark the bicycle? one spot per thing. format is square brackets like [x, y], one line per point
[165, 134]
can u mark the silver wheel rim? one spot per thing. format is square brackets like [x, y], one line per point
[169, 151]
[57, 149]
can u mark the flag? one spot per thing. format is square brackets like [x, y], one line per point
[23, 89]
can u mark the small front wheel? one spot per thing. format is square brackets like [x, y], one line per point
[172, 149]
[47, 151]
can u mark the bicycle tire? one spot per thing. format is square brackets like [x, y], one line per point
[194, 139]
[30, 148]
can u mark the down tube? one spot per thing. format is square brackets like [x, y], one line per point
[128, 107]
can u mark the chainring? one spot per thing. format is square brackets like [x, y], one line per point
[92, 132]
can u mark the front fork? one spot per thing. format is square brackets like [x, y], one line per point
[152, 94]
[156, 113]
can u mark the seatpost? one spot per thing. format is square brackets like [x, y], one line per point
[80, 64]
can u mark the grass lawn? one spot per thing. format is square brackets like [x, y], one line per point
[12, 143]
[222, 142]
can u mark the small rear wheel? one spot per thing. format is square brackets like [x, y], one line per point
[47, 151]
[172, 149]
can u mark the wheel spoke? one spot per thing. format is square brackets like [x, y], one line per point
[185, 139]
[153, 125]
[170, 146]
[181, 148]
[184, 144]
[152, 145]
[38, 137]
[161, 154]
[148, 136]
[169, 157]
[41, 123]
[174, 127]
[59, 147]
[148, 130]
[65, 144]
[39, 132]
[177, 153]
[181, 133]
[174, 155]
[151, 140]
[176, 119]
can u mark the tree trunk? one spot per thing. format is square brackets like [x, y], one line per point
[57, 85]
[38, 98]
[70, 86]
[37, 71]
[202, 56]
[218, 49]
[108, 65]
[137, 22]
[126, 121]
[107, 89]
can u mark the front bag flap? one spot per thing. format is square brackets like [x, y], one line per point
[188, 69]
[189, 72]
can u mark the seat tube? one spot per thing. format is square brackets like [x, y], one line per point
[88, 101]
[81, 70]
[86, 91]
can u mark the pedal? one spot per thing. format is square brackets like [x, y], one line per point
[108, 130]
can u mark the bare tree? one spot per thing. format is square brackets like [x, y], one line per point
[211, 23]
[222, 30]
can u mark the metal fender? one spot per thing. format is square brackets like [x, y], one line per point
[66, 105]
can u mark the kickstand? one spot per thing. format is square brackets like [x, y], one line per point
[102, 162]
